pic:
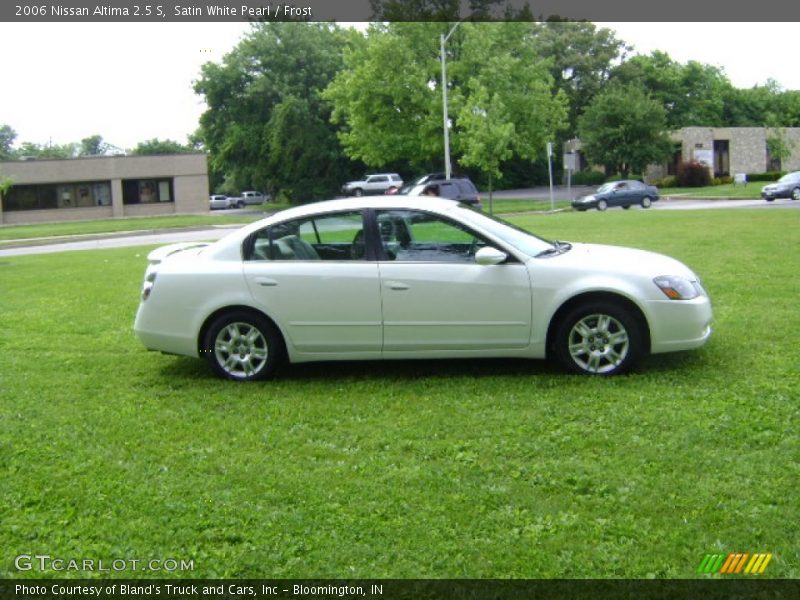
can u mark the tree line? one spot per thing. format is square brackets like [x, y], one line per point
[93, 145]
[298, 108]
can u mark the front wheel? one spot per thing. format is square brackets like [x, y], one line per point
[243, 346]
[602, 205]
[646, 202]
[358, 192]
[599, 338]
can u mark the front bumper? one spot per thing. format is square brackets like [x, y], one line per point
[679, 324]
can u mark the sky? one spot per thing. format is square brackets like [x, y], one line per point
[133, 82]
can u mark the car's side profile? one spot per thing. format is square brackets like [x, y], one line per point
[787, 186]
[378, 183]
[406, 277]
[625, 193]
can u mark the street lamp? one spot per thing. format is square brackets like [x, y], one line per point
[443, 40]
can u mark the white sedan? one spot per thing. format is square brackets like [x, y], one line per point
[405, 277]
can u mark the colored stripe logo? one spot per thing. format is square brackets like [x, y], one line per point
[734, 563]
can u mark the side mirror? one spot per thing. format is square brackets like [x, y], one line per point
[490, 256]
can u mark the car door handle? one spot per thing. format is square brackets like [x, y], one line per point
[266, 281]
[396, 285]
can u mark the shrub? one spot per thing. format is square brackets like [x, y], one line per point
[588, 178]
[769, 176]
[725, 180]
[692, 174]
[665, 182]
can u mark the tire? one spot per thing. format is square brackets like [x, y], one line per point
[646, 202]
[796, 193]
[240, 204]
[770, 199]
[358, 192]
[243, 346]
[599, 338]
[602, 205]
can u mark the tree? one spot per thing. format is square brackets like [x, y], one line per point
[509, 109]
[692, 94]
[92, 146]
[7, 137]
[388, 99]
[580, 57]
[156, 146]
[49, 151]
[275, 63]
[624, 130]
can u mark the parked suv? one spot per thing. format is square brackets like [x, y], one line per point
[379, 183]
[460, 189]
[787, 186]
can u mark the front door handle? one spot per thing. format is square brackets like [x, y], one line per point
[396, 285]
[266, 281]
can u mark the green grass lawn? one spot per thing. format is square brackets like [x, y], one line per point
[65, 228]
[450, 469]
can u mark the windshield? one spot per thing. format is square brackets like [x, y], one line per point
[522, 240]
[789, 177]
[606, 187]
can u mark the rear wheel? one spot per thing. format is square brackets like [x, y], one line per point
[796, 193]
[602, 205]
[599, 338]
[243, 346]
[646, 202]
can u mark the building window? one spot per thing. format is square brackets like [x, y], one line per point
[65, 195]
[146, 191]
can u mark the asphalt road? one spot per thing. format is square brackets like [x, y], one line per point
[216, 233]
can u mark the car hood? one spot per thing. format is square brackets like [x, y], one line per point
[617, 259]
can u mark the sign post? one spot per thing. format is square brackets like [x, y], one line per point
[550, 172]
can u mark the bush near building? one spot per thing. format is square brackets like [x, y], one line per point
[692, 174]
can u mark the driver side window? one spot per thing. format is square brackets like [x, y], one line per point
[408, 235]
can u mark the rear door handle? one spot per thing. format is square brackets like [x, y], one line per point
[266, 281]
[396, 285]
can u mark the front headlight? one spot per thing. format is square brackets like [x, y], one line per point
[677, 288]
[586, 199]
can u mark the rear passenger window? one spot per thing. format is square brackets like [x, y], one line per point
[337, 236]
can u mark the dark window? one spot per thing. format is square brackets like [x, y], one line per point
[147, 191]
[65, 195]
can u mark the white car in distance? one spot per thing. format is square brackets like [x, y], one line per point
[406, 277]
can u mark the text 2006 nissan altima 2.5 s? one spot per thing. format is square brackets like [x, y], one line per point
[408, 278]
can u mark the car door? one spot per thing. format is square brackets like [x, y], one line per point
[437, 298]
[311, 275]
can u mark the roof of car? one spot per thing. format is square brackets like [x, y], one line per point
[393, 201]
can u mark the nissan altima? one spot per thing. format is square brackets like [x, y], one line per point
[404, 277]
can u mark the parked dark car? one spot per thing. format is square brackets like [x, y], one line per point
[787, 186]
[623, 193]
